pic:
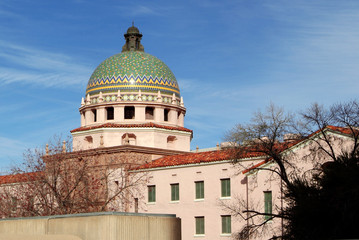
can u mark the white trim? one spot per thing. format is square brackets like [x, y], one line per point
[225, 198]
[199, 199]
[199, 235]
[132, 129]
[226, 234]
[197, 164]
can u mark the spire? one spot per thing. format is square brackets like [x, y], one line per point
[133, 40]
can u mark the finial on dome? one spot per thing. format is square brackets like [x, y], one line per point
[159, 97]
[88, 100]
[82, 101]
[133, 40]
[63, 146]
[182, 104]
[119, 96]
[173, 98]
[139, 95]
[100, 98]
[101, 141]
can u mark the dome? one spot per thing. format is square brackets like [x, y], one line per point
[132, 30]
[131, 71]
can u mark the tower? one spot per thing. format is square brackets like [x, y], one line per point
[132, 98]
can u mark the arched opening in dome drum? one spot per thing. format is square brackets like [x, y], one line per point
[129, 112]
[165, 116]
[110, 113]
[94, 115]
[171, 142]
[128, 139]
[150, 113]
[88, 141]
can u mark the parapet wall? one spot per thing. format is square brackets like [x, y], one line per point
[94, 226]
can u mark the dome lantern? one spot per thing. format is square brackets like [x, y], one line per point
[133, 40]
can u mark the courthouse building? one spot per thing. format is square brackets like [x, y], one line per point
[133, 111]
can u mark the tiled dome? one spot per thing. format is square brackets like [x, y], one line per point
[132, 71]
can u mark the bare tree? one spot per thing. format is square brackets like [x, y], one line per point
[57, 181]
[272, 133]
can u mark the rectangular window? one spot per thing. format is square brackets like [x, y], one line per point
[267, 204]
[199, 225]
[94, 114]
[151, 193]
[129, 112]
[13, 204]
[199, 190]
[175, 192]
[225, 187]
[150, 113]
[165, 116]
[226, 224]
[110, 113]
[136, 205]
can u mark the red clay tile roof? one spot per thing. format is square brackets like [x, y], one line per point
[20, 177]
[256, 166]
[143, 125]
[228, 154]
[196, 158]
[343, 130]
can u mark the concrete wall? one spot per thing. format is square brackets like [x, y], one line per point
[98, 226]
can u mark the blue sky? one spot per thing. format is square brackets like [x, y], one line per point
[230, 58]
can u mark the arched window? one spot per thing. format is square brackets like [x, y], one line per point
[128, 139]
[171, 141]
[89, 141]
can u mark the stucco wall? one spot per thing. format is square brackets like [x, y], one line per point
[187, 208]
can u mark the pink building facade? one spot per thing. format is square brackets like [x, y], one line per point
[207, 190]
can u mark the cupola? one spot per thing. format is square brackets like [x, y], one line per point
[132, 94]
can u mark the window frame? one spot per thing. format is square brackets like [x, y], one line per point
[94, 115]
[175, 197]
[149, 113]
[225, 188]
[129, 112]
[200, 229]
[110, 113]
[268, 204]
[199, 190]
[226, 224]
[151, 192]
[166, 113]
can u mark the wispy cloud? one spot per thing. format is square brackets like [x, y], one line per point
[21, 64]
[150, 9]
